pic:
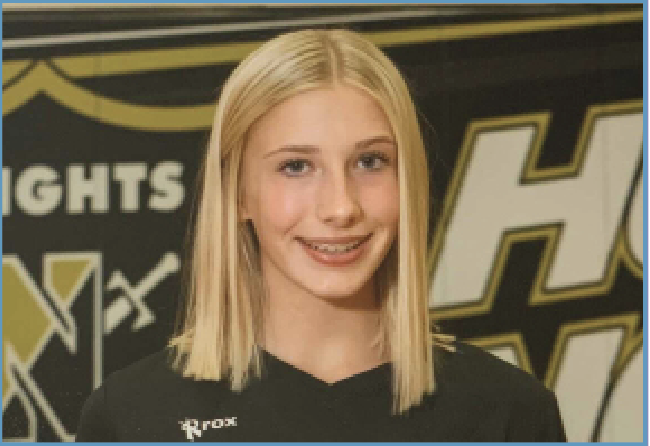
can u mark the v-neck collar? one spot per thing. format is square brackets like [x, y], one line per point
[369, 381]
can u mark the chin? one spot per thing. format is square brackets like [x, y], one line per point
[348, 291]
[336, 295]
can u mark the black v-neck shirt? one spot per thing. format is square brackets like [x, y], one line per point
[478, 398]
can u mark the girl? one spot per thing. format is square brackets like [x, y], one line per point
[307, 303]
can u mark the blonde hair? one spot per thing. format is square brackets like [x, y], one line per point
[221, 330]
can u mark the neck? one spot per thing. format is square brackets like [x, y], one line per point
[330, 338]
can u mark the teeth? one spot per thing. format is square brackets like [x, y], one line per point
[335, 248]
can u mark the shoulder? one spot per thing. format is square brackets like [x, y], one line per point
[97, 419]
[147, 389]
[486, 387]
[474, 368]
[153, 379]
[151, 370]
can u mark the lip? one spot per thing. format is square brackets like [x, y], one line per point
[333, 259]
[333, 240]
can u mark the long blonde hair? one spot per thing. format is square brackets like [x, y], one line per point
[221, 330]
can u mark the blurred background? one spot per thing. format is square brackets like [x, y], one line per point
[533, 121]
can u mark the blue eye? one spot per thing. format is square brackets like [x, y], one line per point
[293, 167]
[373, 161]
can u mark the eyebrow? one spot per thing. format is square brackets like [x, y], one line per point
[306, 148]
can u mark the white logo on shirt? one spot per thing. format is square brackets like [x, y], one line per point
[194, 428]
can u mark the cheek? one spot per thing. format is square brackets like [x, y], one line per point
[282, 204]
[381, 202]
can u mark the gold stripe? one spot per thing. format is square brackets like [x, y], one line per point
[91, 65]
[105, 64]
[12, 69]
[631, 342]
[41, 78]
[481, 30]
[110, 111]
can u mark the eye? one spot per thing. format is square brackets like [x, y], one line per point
[294, 167]
[373, 160]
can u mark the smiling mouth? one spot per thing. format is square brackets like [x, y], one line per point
[335, 248]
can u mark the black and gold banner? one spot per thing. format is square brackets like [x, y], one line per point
[533, 117]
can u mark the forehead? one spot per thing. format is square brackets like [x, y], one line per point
[334, 115]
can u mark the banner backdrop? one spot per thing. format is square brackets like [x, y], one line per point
[533, 117]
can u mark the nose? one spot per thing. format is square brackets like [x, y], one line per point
[338, 204]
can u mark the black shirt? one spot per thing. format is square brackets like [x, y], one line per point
[478, 398]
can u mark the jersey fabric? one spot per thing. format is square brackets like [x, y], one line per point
[478, 398]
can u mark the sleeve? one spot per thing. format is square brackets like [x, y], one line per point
[94, 424]
[551, 425]
[537, 419]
